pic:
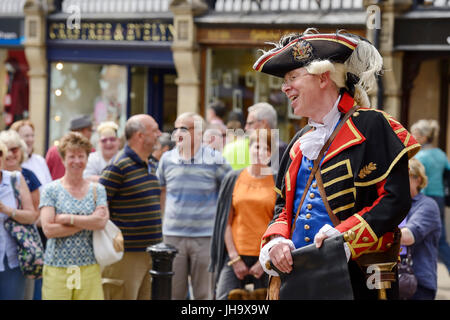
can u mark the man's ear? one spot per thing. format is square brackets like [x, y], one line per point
[324, 79]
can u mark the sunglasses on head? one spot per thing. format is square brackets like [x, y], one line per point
[14, 150]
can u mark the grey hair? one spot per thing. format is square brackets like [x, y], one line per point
[265, 111]
[132, 126]
[427, 128]
[198, 119]
[12, 137]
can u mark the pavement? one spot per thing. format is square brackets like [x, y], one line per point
[443, 292]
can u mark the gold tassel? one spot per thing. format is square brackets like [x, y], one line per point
[274, 288]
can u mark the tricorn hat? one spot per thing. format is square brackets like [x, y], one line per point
[80, 122]
[297, 51]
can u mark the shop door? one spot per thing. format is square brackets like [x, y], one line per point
[153, 91]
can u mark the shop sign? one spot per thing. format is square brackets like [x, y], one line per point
[11, 32]
[423, 34]
[249, 36]
[112, 31]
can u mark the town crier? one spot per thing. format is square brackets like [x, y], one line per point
[361, 186]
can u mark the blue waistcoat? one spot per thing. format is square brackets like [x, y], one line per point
[313, 215]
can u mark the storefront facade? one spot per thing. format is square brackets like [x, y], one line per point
[110, 69]
[230, 40]
[422, 36]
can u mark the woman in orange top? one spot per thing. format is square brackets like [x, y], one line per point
[251, 199]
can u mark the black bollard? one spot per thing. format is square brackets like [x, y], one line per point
[162, 257]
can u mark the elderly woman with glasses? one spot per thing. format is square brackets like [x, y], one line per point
[17, 154]
[420, 233]
[12, 281]
[109, 144]
[35, 162]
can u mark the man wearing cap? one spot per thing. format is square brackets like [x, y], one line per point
[82, 124]
[361, 184]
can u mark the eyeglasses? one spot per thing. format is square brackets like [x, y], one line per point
[288, 80]
[182, 129]
[110, 139]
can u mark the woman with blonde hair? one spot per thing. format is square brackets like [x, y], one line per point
[420, 232]
[109, 146]
[12, 281]
[71, 208]
[435, 162]
[16, 155]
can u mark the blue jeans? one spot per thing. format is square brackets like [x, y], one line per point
[444, 248]
[12, 283]
[37, 289]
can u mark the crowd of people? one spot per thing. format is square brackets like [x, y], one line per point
[230, 202]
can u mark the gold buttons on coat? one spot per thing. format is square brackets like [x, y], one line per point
[306, 227]
[314, 185]
[309, 168]
[311, 195]
[307, 239]
[349, 236]
[365, 239]
[309, 206]
[355, 114]
[308, 216]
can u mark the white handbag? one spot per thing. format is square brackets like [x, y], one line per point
[108, 242]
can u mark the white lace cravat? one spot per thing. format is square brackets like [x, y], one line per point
[311, 143]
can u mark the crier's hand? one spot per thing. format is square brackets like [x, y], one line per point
[281, 257]
[328, 231]
[265, 255]
[325, 232]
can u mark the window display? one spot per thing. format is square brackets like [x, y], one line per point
[78, 88]
[231, 79]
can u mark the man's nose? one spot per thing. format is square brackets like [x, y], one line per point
[285, 87]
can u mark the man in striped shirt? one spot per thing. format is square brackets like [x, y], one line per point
[133, 195]
[190, 177]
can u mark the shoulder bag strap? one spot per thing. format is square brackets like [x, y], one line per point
[323, 195]
[314, 170]
[94, 191]
[14, 180]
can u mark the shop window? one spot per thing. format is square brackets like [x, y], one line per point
[231, 79]
[156, 97]
[169, 102]
[78, 88]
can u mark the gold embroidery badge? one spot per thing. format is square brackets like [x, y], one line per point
[301, 50]
[367, 170]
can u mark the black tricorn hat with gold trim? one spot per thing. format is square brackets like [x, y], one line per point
[299, 51]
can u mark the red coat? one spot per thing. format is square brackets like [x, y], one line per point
[365, 175]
